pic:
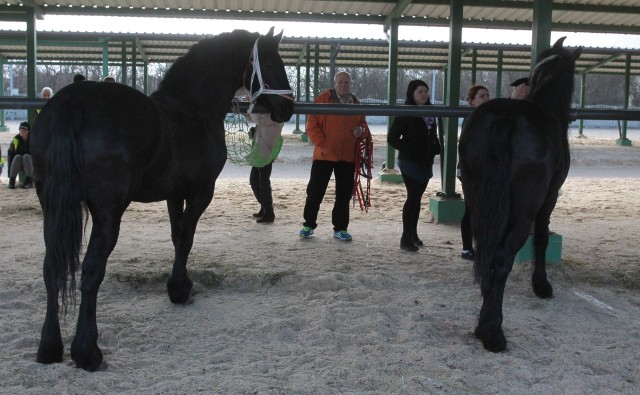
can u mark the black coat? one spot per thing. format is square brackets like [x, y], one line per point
[414, 142]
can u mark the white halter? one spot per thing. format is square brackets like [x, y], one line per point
[264, 88]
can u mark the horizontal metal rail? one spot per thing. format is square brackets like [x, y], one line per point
[12, 102]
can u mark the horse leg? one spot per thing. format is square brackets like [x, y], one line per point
[51, 348]
[541, 286]
[104, 235]
[489, 329]
[183, 227]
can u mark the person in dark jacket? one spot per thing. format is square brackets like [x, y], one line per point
[476, 95]
[19, 157]
[416, 139]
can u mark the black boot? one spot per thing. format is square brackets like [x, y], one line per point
[28, 183]
[12, 183]
[267, 217]
[407, 244]
[259, 213]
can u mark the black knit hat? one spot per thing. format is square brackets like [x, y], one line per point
[24, 125]
[520, 81]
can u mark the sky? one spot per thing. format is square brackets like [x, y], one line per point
[310, 29]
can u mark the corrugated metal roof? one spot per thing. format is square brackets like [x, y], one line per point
[87, 47]
[568, 15]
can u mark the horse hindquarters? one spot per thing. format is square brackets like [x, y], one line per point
[498, 223]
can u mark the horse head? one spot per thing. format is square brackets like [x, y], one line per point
[268, 81]
[552, 78]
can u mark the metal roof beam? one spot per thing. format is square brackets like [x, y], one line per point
[396, 12]
[600, 63]
[141, 50]
[219, 14]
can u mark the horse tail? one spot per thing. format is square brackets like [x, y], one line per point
[492, 206]
[64, 203]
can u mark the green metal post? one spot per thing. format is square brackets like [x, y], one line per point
[583, 95]
[105, 59]
[298, 92]
[32, 73]
[134, 65]
[453, 97]
[316, 71]
[447, 206]
[390, 174]
[623, 140]
[498, 92]
[3, 126]
[123, 62]
[332, 61]
[541, 29]
[145, 81]
[474, 66]
[307, 85]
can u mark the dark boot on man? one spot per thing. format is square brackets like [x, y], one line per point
[12, 183]
[267, 217]
[28, 183]
[259, 214]
[407, 244]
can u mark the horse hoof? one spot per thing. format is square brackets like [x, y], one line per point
[493, 341]
[90, 361]
[180, 291]
[543, 290]
[49, 353]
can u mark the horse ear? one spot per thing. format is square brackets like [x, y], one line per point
[576, 54]
[278, 37]
[558, 44]
[270, 34]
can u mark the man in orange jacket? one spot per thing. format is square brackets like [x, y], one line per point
[334, 138]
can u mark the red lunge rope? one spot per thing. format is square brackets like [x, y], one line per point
[364, 162]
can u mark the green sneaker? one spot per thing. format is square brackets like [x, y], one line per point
[342, 235]
[306, 232]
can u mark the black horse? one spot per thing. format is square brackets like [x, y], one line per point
[100, 146]
[514, 157]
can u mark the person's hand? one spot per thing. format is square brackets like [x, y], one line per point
[520, 92]
[357, 131]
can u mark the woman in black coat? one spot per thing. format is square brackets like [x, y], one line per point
[416, 139]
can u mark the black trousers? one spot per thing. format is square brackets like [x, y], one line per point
[260, 180]
[465, 229]
[320, 175]
[411, 208]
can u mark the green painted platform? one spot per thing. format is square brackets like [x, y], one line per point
[446, 210]
[624, 142]
[389, 175]
[554, 249]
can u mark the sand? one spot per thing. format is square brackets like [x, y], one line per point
[276, 314]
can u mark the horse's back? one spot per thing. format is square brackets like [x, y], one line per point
[518, 137]
[521, 129]
[104, 111]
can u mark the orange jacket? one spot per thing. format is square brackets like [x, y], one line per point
[332, 135]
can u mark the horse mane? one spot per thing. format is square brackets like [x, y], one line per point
[213, 62]
[552, 80]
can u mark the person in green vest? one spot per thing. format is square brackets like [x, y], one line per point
[19, 157]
